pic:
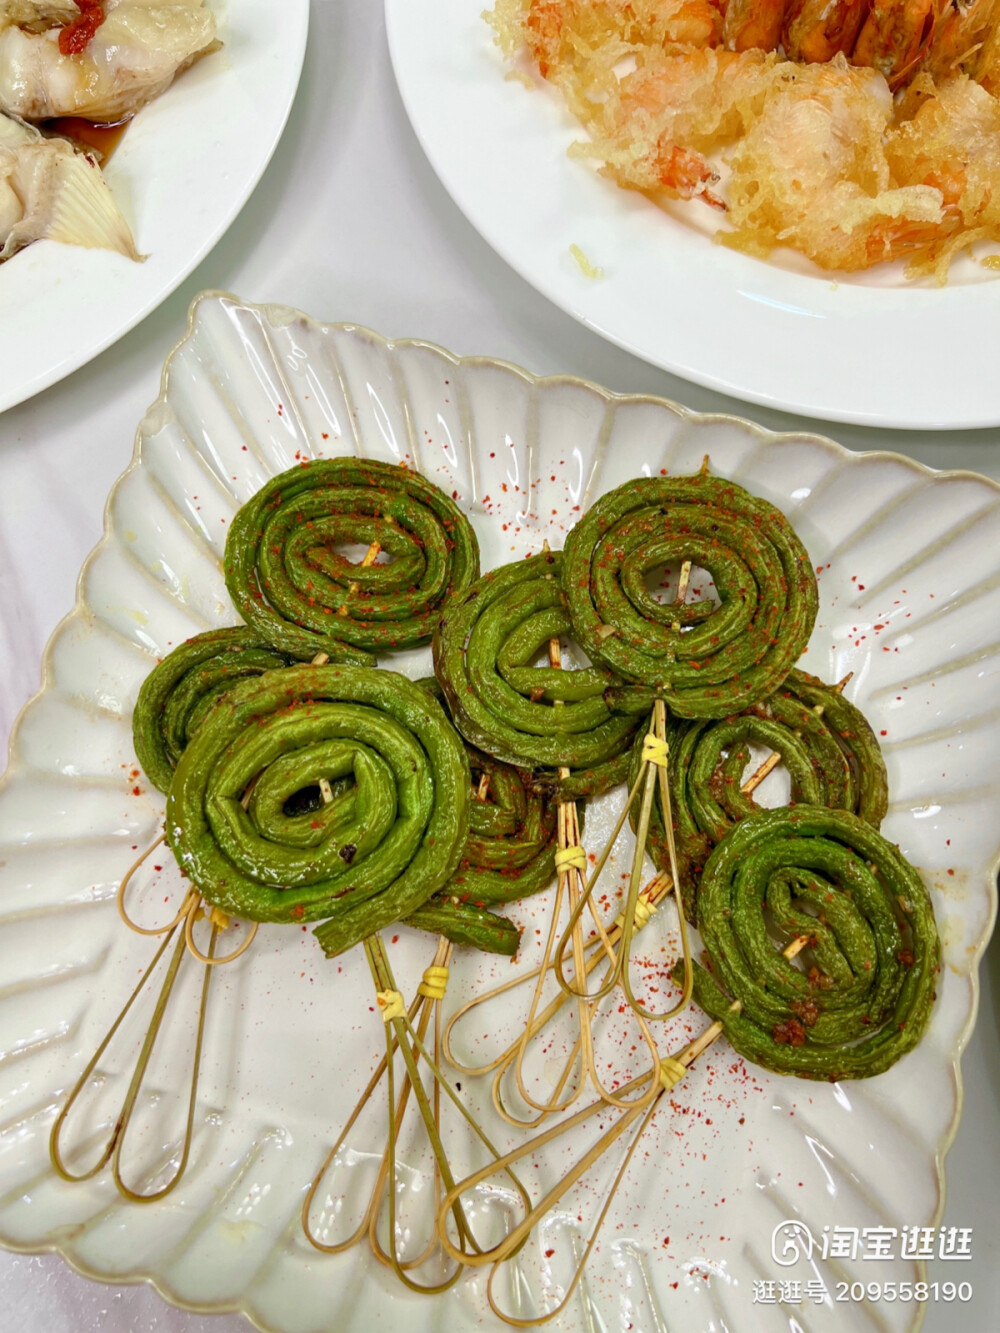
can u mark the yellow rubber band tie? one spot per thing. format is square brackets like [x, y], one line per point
[654, 751]
[571, 856]
[644, 909]
[391, 1004]
[671, 1072]
[434, 983]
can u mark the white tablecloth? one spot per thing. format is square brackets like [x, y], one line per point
[350, 223]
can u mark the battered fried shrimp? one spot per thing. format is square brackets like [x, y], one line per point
[678, 108]
[952, 144]
[823, 158]
[811, 172]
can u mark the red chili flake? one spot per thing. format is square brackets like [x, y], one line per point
[906, 957]
[549, 1254]
[79, 32]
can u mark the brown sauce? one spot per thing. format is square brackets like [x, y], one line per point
[99, 139]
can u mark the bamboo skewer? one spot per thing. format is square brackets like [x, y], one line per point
[182, 925]
[401, 1035]
[191, 910]
[655, 890]
[580, 1067]
[642, 1109]
[426, 1002]
[672, 1070]
[406, 1031]
[652, 776]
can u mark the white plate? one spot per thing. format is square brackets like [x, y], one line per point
[870, 349]
[291, 1036]
[184, 169]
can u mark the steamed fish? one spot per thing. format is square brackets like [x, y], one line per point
[49, 191]
[99, 61]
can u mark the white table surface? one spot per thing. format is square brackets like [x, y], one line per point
[350, 223]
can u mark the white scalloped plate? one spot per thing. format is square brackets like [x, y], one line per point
[910, 593]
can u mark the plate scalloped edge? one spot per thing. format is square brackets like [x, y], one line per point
[280, 316]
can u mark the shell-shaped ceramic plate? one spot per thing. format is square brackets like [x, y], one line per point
[910, 598]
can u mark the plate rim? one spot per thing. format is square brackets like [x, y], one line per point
[287, 314]
[552, 291]
[30, 388]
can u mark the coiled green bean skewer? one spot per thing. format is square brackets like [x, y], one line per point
[537, 718]
[703, 659]
[510, 853]
[182, 690]
[370, 856]
[863, 993]
[291, 581]
[831, 754]
[178, 693]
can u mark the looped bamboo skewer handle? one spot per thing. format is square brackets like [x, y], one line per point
[652, 773]
[571, 862]
[657, 888]
[112, 1151]
[183, 921]
[426, 1002]
[401, 1034]
[673, 1069]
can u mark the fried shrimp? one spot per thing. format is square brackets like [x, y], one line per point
[896, 36]
[754, 24]
[964, 41]
[687, 106]
[853, 131]
[952, 144]
[817, 30]
[811, 172]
